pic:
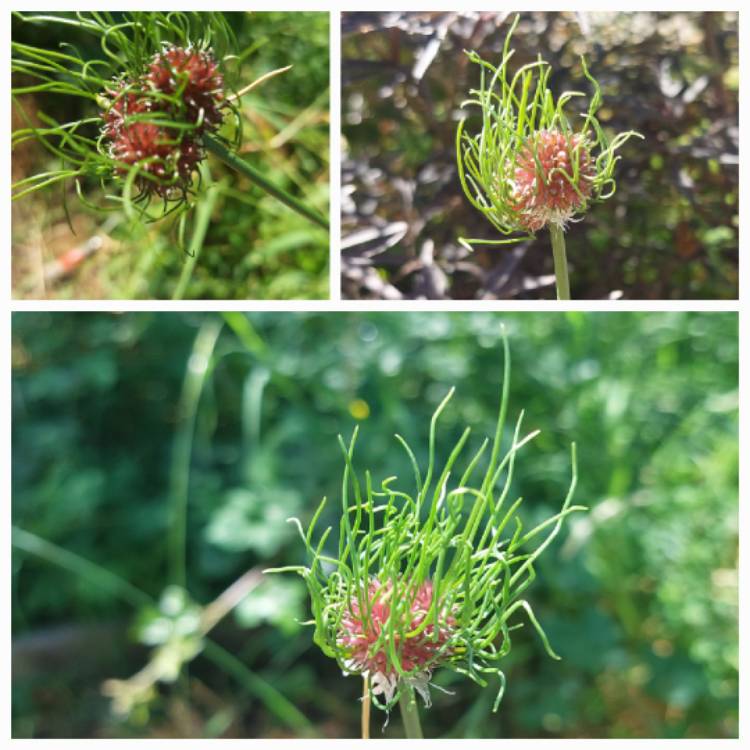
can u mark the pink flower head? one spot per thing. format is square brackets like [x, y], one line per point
[418, 654]
[547, 188]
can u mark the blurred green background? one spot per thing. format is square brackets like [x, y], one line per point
[255, 247]
[123, 422]
[671, 231]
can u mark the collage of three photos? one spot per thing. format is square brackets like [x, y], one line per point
[463, 483]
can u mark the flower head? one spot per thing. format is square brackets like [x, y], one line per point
[529, 166]
[425, 575]
[181, 86]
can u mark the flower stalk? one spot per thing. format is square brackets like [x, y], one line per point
[410, 715]
[231, 159]
[561, 263]
[365, 709]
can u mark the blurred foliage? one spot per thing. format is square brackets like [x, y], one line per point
[255, 247]
[670, 231]
[639, 596]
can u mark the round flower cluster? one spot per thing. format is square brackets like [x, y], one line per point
[364, 636]
[181, 86]
[552, 179]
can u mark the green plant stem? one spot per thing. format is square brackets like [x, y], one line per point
[199, 366]
[561, 263]
[202, 219]
[410, 714]
[94, 574]
[256, 686]
[235, 162]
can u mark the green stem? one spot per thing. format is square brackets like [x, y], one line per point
[274, 701]
[93, 574]
[202, 219]
[410, 714]
[179, 475]
[235, 162]
[561, 263]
